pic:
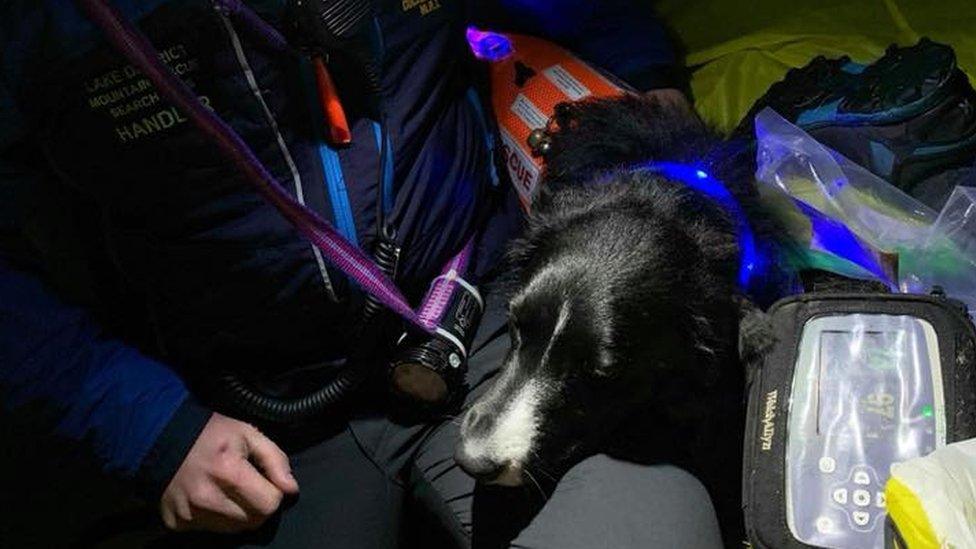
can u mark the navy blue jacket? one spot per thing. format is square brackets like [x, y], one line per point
[129, 251]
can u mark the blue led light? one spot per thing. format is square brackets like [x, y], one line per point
[488, 46]
[698, 179]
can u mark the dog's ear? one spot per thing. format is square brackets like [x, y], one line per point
[756, 333]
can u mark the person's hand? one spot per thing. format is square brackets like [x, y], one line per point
[232, 479]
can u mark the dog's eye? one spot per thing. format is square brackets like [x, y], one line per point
[522, 332]
[529, 331]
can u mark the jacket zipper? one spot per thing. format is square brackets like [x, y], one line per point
[273, 123]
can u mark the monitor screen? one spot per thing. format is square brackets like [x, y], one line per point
[867, 392]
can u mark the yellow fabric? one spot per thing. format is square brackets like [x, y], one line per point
[907, 512]
[737, 49]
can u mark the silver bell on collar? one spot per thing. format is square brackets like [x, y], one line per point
[539, 141]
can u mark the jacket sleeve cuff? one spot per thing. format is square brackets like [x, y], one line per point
[171, 447]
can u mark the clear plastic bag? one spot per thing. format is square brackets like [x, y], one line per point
[896, 239]
[799, 165]
[948, 256]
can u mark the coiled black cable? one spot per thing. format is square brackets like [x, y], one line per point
[387, 255]
[349, 378]
[281, 410]
[254, 403]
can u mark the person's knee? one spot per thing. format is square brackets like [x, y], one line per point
[606, 502]
[601, 475]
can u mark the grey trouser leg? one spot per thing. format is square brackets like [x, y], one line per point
[602, 502]
[355, 486]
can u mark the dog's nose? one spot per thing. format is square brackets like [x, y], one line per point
[480, 467]
[476, 423]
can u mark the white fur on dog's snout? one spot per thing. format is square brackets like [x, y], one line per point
[510, 439]
[513, 432]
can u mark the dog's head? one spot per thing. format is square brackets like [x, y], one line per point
[616, 288]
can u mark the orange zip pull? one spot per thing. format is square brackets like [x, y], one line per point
[335, 116]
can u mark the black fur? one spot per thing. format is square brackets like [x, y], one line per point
[647, 367]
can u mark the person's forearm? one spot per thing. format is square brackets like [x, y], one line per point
[88, 387]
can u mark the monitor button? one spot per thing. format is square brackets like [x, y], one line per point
[824, 525]
[840, 496]
[862, 498]
[827, 465]
[862, 478]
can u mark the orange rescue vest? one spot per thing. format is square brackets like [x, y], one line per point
[529, 79]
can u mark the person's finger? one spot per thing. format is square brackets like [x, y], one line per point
[168, 513]
[213, 501]
[272, 461]
[176, 512]
[245, 485]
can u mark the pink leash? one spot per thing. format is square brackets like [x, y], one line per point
[345, 256]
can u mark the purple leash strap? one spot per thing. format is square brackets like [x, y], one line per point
[440, 292]
[442, 288]
[345, 256]
[253, 23]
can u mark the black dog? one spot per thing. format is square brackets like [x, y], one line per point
[626, 308]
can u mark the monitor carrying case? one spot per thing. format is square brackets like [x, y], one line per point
[870, 378]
